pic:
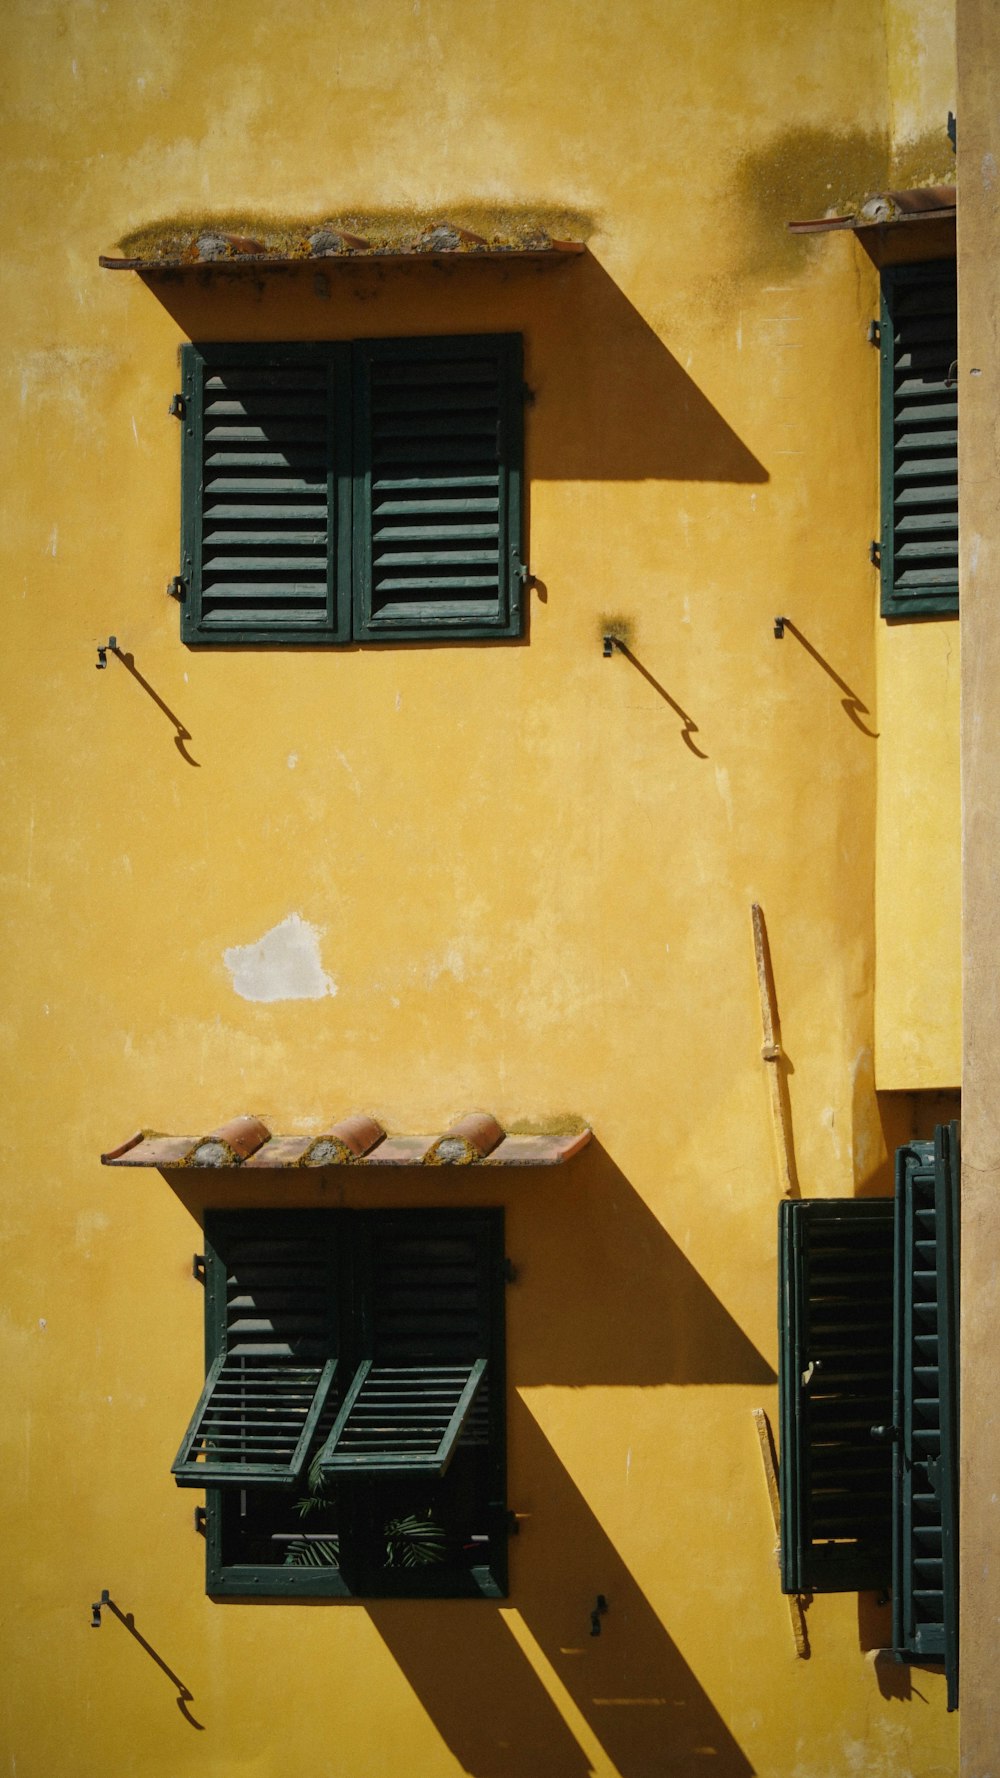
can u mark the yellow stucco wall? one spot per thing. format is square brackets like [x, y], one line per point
[530, 868]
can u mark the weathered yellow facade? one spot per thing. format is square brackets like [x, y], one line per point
[527, 869]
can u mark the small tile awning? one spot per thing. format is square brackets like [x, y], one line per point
[247, 1143]
[211, 246]
[889, 209]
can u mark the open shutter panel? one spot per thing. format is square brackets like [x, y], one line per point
[265, 521]
[919, 440]
[438, 488]
[270, 1314]
[925, 1542]
[835, 1385]
[424, 1384]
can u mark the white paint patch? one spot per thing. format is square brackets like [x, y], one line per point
[53, 540]
[399, 700]
[283, 965]
[293, 760]
[43, 1324]
[989, 172]
[628, 1464]
[135, 430]
[185, 679]
[723, 788]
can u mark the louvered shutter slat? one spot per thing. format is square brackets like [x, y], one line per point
[266, 449]
[925, 1529]
[274, 1337]
[439, 445]
[835, 1384]
[919, 423]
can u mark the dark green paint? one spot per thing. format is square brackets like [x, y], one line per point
[435, 556]
[919, 441]
[377, 1286]
[835, 1383]
[925, 1466]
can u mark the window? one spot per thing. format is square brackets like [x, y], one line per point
[919, 430]
[334, 493]
[351, 1431]
[868, 1386]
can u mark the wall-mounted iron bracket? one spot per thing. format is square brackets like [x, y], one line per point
[96, 1608]
[201, 1521]
[875, 553]
[177, 407]
[177, 588]
[779, 628]
[198, 1267]
[599, 1611]
[874, 334]
[103, 649]
[610, 644]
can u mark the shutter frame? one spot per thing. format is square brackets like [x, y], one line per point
[224, 1234]
[203, 627]
[898, 599]
[470, 615]
[824, 1434]
[925, 1466]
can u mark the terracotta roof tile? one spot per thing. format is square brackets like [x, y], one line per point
[357, 1141]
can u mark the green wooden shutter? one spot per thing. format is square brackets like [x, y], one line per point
[925, 1476]
[835, 1385]
[919, 429]
[437, 510]
[426, 1306]
[265, 516]
[271, 1348]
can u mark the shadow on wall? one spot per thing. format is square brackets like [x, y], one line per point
[632, 1686]
[602, 1296]
[609, 400]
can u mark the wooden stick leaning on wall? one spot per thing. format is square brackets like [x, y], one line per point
[771, 1051]
[796, 1610]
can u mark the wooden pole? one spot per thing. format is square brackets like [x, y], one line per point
[796, 1611]
[771, 1052]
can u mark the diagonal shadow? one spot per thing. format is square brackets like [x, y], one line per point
[603, 1294]
[690, 727]
[853, 707]
[608, 399]
[182, 735]
[184, 1697]
[632, 1685]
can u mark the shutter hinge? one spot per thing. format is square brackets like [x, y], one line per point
[200, 1521]
[198, 1267]
[523, 573]
[885, 1435]
[177, 407]
[874, 334]
[177, 588]
[509, 1272]
[875, 552]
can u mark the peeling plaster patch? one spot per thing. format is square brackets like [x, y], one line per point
[989, 170]
[54, 540]
[283, 965]
[135, 429]
[293, 760]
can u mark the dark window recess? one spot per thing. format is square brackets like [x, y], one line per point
[868, 1397]
[919, 433]
[352, 1431]
[365, 492]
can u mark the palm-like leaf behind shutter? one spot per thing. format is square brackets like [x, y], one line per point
[438, 488]
[271, 1310]
[835, 1385]
[925, 1544]
[423, 1384]
[919, 440]
[266, 520]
